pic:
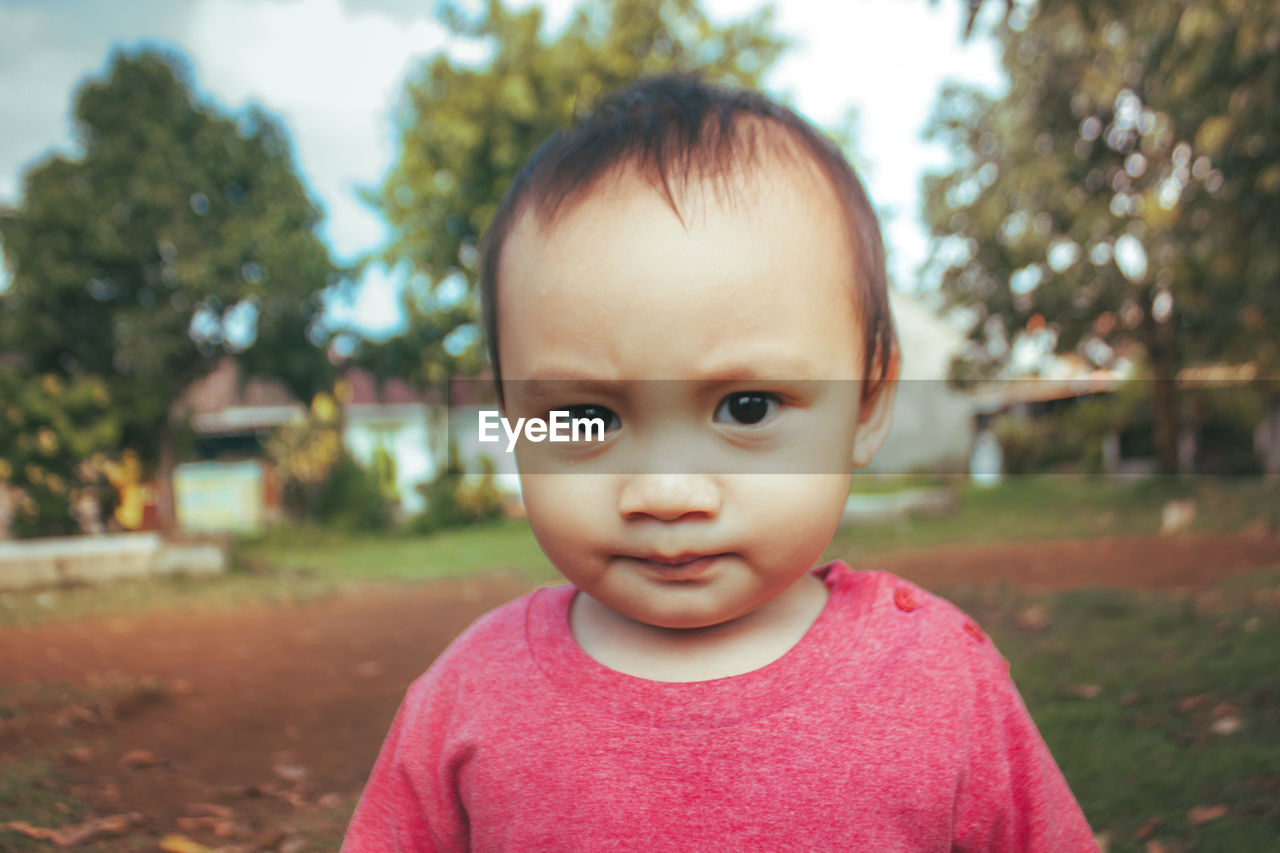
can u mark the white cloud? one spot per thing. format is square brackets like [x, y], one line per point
[887, 58]
[333, 75]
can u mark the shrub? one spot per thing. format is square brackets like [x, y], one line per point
[456, 498]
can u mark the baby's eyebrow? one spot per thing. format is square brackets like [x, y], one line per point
[552, 388]
[769, 368]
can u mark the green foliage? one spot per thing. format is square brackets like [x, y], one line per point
[1069, 440]
[352, 498]
[1035, 446]
[54, 441]
[465, 131]
[457, 499]
[137, 260]
[384, 469]
[1123, 190]
[1224, 418]
[320, 481]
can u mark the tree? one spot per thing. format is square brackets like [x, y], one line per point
[1125, 191]
[177, 236]
[55, 438]
[465, 131]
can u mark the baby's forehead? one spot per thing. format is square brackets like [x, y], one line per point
[774, 173]
[759, 253]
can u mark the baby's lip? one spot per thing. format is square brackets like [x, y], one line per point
[677, 559]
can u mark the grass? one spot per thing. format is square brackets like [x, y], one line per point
[1167, 668]
[288, 565]
[34, 789]
[1066, 507]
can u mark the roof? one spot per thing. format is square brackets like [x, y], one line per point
[221, 403]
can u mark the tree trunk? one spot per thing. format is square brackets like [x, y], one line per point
[165, 511]
[1158, 338]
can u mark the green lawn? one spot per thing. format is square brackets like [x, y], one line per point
[1063, 507]
[1167, 670]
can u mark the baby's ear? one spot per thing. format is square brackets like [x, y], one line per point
[875, 415]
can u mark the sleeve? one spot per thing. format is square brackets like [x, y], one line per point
[410, 803]
[1012, 796]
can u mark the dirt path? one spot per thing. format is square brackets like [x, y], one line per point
[276, 714]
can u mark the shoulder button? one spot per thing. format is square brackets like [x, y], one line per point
[905, 599]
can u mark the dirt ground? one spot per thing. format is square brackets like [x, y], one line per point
[257, 727]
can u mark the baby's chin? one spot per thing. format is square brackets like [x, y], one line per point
[683, 619]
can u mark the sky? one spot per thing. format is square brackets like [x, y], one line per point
[333, 70]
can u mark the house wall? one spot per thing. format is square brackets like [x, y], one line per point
[411, 433]
[220, 496]
[932, 424]
[464, 431]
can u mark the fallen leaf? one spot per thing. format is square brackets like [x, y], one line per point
[1190, 703]
[138, 758]
[1226, 725]
[1177, 516]
[78, 833]
[1130, 698]
[1148, 828]
[290, 772]
[293, 844]
[190, 823]
[330, 801]
[1034, 618]
[1204, 814]
[181, 844]
[1252, 624]
[30, 831]
[1225, 709]
[80, 754]
[213, 809]
[1083, 691]
[1154, 846]
[1103, 841]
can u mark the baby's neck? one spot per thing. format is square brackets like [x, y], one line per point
[698, 654]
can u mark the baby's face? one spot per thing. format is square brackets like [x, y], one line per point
[740, 310]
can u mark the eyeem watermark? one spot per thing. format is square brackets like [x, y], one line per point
[560, 427]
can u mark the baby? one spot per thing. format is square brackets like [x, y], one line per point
[699, 270]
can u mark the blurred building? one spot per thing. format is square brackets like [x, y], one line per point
[932, 427]
[230, 484]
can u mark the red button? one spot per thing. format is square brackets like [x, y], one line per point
[905, 599]
[974, 631]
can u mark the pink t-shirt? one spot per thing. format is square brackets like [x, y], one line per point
[891, 726]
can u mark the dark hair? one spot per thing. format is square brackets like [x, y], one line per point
[676, 125]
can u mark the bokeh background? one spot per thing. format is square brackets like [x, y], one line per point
[240, 503]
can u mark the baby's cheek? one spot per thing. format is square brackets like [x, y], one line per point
[796, 515]
[563, 511]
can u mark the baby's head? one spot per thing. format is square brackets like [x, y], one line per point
[700, 269]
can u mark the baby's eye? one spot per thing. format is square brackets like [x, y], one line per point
[591, 412]
[747, 408]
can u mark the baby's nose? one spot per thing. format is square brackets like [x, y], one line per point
[669, 497]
